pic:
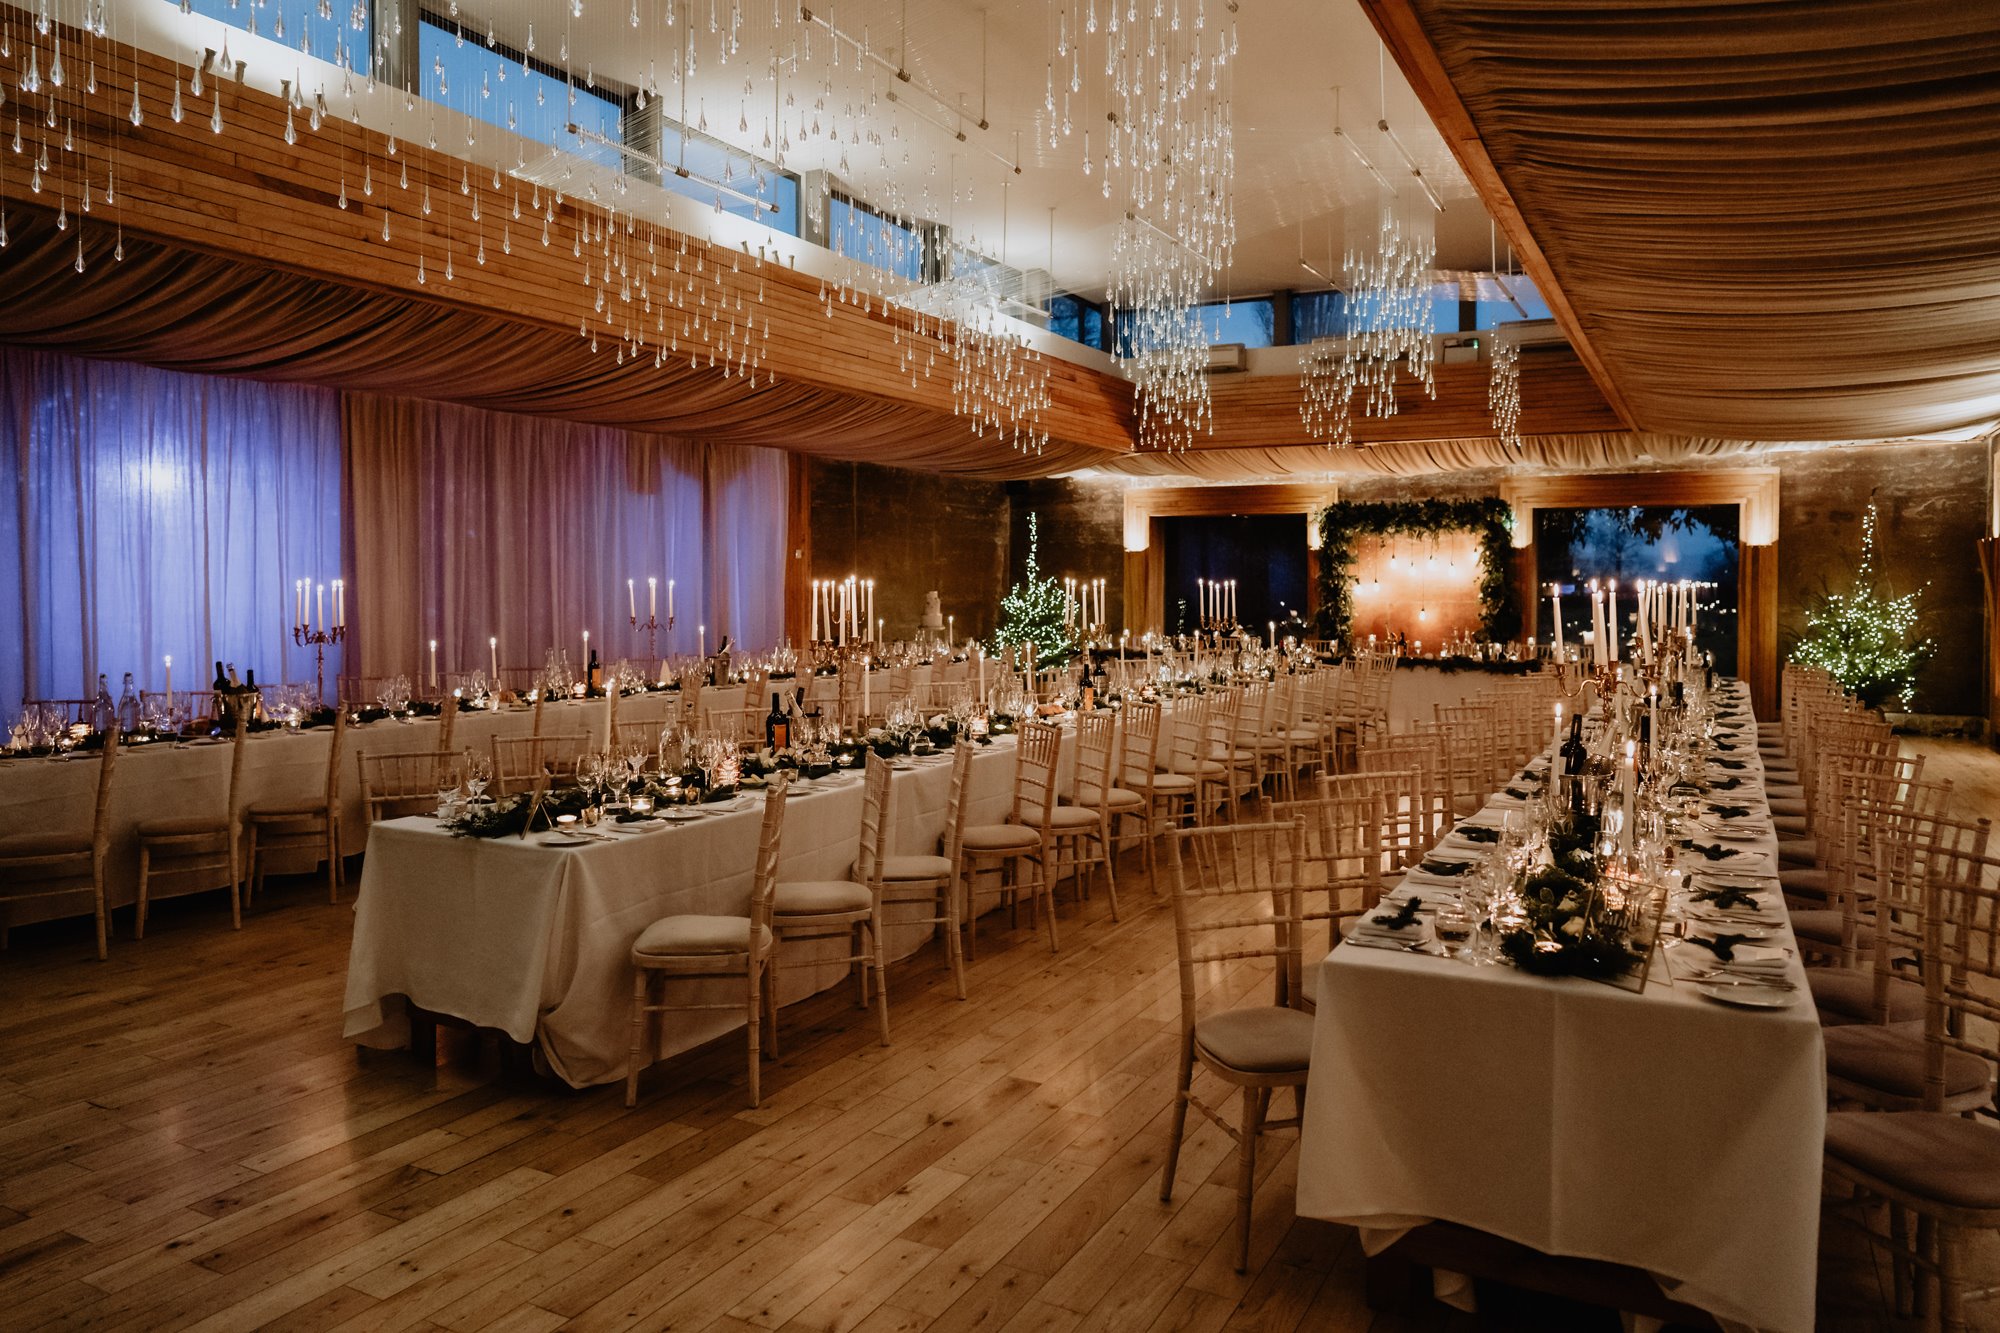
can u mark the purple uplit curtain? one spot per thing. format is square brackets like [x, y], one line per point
[152, 513]
[470, 525]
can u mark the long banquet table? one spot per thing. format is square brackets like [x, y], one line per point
[1658, 1130]
[535, 940]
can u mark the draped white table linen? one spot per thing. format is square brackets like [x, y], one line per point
[1658, 1130]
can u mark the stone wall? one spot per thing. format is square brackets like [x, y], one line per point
[1082, 526]
[913, 532]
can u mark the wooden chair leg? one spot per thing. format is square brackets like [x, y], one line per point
[235, 885]
[754, 1007]
[332, 860]
[1106, 845]
[954, 947]
[1045, 889]
[256, 876]
[1181, 1086]
[145, 876]
[1246, 1170]
[639, 1000]
[103, 924]
[881, 966]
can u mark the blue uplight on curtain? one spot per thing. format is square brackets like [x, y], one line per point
[154, 513]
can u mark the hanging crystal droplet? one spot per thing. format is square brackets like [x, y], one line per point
[385, 224]
[291, 132]
[35, 178]
[506, 241]
[79, 252]
[481, 256]
[278, 25]
[69, 136]
[427, 201]
[85, 196]
[90, 83]
[342, 201]
[117, 251]
[56, 66]
[448, 274]
[465, 180]
[31, 82]
[405, 169]
[475, 208]
[3, 229]
[367, 181]
[62, 216]
[194, 82]
[110, 187]
[420, 271]
[545, 231]
[138, 116]
[215, 114]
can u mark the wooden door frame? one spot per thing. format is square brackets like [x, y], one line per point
[1146, 507]
[1754, 491]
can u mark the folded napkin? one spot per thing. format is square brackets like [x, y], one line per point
[1701, 953]
[1729, 811]
[1391, 929]
[1478, 833]
[1711, 850]
[1733, 764]
[1519, 795]
[1728, 897]
[1431, 865]
[1726, 784]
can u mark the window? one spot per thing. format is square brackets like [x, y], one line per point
[1318, 315]
[754, 182]
[1076, 319]
[1531, 305]
[859, 232]
[518, 93]
[1252, 323]
[345, 39]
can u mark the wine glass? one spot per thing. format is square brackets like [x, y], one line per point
[1452, 924]
[478, 773]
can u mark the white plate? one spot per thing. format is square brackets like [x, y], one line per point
[562, 840]
[1748, 997]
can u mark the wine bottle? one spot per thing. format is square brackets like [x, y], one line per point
[777, 727]
[221, 680]
[128, 706]
[593, 674]
[254, 699]
[102, 712]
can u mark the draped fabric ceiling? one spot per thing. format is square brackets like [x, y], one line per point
[1773, 221]
[183, 310]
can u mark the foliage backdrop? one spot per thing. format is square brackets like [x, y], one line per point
[1343, 525]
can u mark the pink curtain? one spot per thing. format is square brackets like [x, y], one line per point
[469, 526]
[152, 513]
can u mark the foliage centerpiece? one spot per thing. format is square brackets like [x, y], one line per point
[1036, 611]
[1343, 525]
[1867, 638]
[1569, 926]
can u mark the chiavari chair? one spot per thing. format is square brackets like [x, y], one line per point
[189, 852]
[1082, 827]
[691, 950]
[1820, 878]
[1346, 848]
[1872, 1059]
[37, 866]
[1138, 765]
[850, 910]
[302, 826]
[1936, 1162]
[1890, 828]
[1475, 765]
[1192, 770]
[1245, 910]
[1026, 841]
[926, 883]
[1240, 751]
[1421, 823]
[401, 783]
[519, 760]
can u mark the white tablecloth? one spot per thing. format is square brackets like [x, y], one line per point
[1659, 1130]
[536, 941]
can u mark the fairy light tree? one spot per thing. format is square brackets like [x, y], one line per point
[1036, 611]
[1866, 638]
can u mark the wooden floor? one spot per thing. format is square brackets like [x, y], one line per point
[186, 1142]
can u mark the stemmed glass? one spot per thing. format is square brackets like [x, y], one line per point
[478, 773]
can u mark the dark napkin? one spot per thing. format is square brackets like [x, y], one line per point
[1443, 868]
[1402, 918]
[1722, 946]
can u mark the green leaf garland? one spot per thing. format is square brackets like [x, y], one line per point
[1342, 525]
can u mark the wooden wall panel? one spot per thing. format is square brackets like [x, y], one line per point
[1558, 397]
